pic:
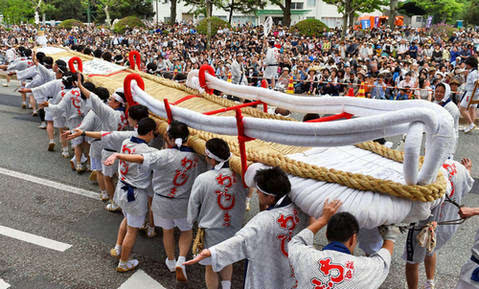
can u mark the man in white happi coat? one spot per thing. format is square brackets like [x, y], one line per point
[335, 266]
[74, 106]
[469, 276]
[263, 241]
[237, 71]
[271, 63]
[218, 204]
[174, 172]
[131, 192]
[461, 183]
[472, 79]
[46, 92]
[442, 96]
[113, 117]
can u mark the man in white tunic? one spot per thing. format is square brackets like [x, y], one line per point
[131, 193]
[442, 96]
[335, 266]
[112, 116]
[472, 78]
[461, 183]
[469, 277]
[174, 172]
[263, 241]
[271, 63]
[218, 204]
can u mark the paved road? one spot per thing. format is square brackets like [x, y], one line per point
[56, 212]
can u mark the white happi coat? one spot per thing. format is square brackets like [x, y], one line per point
[264, 242]
[91, 122]
[72, 106]
[42, 76]
[174, 172]
[20, 64]
[461, 183]
[48, 90]
[134, 175]
[467, 269]
[218, 203]
[114, 139]
[27, 73]
[271, 62]
[330, 269]
[111, 119]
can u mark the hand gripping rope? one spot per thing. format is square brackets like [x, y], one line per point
[134, 57]
[71, 64]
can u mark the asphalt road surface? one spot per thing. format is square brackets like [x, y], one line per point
[54, 232]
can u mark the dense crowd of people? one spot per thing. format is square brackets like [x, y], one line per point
[175, 187]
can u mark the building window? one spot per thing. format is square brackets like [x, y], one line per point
[297, 5]
[311, 3]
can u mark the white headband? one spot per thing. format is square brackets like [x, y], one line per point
[178, 142]
[118, 98]
[220, 161]
[278, 202]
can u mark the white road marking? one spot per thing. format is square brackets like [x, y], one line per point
[3, 284]
[34, 239]
[141, 280]
[49, 183]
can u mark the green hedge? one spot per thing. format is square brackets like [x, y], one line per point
[310, 27]
[69, 23]
[126, 23]
[216, 23]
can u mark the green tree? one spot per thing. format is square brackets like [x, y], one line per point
[243, 6]
[173, 4]
[442, 10]
[471, 14]
[349, 7]
[285, 5]
[16, 11]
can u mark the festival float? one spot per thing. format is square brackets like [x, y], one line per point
[332, 157]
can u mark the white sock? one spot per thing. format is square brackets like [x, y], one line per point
[118, 248]
[430, 282]
[248, 199]
[65, 149]
[122, 263]
[52, 141]
[471, 125]
[180, 261]
[226, 284]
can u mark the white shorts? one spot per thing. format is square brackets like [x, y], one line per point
[77, 141]
[463, 285]
[48, 116]
[169, 224]
[59, 122]
[466, 99]
[95, 164]
[134, 221]
[206, 262]
[108, 171]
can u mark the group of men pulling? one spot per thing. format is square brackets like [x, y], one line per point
[176, 187]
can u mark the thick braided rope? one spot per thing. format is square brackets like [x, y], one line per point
[356, 181]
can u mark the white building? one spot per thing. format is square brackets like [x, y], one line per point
[300, 10]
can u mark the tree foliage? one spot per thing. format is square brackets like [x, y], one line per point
[216, 23]
[442, 10]
[285, 5]
[16, 11]
[69, 23]
[471, 15]
[311, 27]
[411, 8]
[242, 6]
[349, 7]
[127, 23]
